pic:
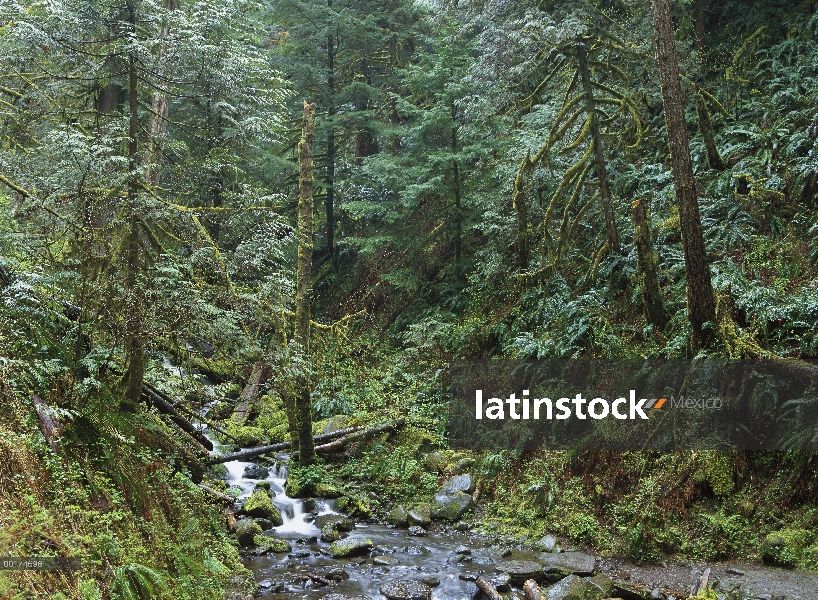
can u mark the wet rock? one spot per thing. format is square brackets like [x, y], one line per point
[461, 526]
[300, 554]
[406, 590]
[468, 576]
[547, 543]
[417, 531]
[274, 487]
[309, 504]
[431, 581]
[340, 522]
[463, 466]
[260, 505]
[501, 581]
[605, 585]
[269, 544]
[417, 550]
[286, 509]
[451, 507]
[573, 588]
[627, 591]
[350, 547]
[434, 462]
[337, 574]
[421, 514]
[246, 531]
[462, 550]
[461, 483]
[398, 516]
[557, 566]
[329, 533]
[521, 570]
[387, 561]
[256, 472]
[262, 485]
[265, 524]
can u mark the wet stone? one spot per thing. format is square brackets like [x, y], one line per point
[417, 531]
[398, 516]
[547, 543]
[501, 581]
[340, 522]
[421, 514]
[521, 570]
[573, 588]
[349, 547]
[385, 561]
[460, 483]
[557, 566]
[337, 574]
[406, 590]
[431, 581]
[462, 550]
[256, 472]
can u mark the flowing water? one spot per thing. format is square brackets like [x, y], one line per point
[447, 559]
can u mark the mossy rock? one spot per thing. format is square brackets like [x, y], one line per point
[398, 516]
[268, 544]
[246, 532]
[451, 507]
[263, 485]
[573, 588]
[435, 462]
[247, 435]
[421, 514]
[784, 548]
[356, 506]
[350, 547]
[259, 505]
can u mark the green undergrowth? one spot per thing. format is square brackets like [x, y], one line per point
[116, 494]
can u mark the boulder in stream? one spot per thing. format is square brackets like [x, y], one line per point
[246, 531]
[256, 472]
[329, 533]
[547, 543]
[398, 516]
[521, 570]
[417, 531]
[350, 547]
[573, 588]
[260, 505]
[340, 522]
[421, 514]
[450, 506]
[406, 590]
[557, 566]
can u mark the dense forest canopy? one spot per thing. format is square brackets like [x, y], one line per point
[474, 179]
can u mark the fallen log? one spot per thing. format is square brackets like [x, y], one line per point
[51, 427]
[165, 408]
[261, 450]
[178, 405]
[348, 434]
[487, 588]
[217, 494]
[340, 443]
[532, 590]
[318, 579]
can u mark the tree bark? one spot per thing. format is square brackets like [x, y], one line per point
[303, 401]
[647, 263]
[699, 27]
[701, 308]
[599, 154]
[487, 588]
[330, 199]
[520, 202]
[532, 590]
[134, 335]
[249, 393]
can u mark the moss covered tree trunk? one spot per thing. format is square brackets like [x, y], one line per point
[302, 406]
[701, 307]
[647, 263]
[599, 154]
[134, 345]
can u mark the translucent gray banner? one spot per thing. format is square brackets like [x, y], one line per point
[634, 404]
